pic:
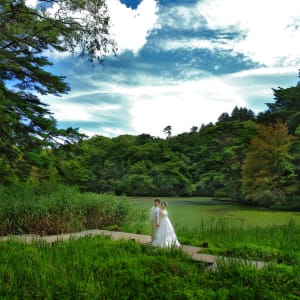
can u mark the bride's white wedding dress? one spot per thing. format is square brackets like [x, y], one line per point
[165, 235]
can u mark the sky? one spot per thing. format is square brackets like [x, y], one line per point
[180, 63]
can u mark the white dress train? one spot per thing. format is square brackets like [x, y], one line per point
[165, 235]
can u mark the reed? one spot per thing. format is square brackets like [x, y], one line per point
[98, 268]
[53, 209]
[280, 244]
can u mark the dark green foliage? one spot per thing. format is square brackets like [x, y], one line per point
[97, 268]
[26, 127]
[207, 162]
[238, 114]
[221, 153]
[26, 124]
[286, 107]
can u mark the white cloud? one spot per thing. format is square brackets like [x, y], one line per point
[160, 101]
[181, 17]
[31, 3]
[182, 106]
[151, 108]
[193, 102]
[110, 132]
[68, 111]
[268, 38]
[195, 43]
[130, 27]
[255, 86]
[113, 131]
[265, 72]
[270, 29]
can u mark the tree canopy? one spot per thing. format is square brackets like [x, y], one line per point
[268, 172]
[26, 33]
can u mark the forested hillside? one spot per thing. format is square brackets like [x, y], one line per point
[202, 162]
[243, 157]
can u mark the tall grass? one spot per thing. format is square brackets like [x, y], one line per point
[281, 243]
[98, 268]
[225, 232]
[53, 209]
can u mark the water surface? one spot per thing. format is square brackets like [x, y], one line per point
[193, 211]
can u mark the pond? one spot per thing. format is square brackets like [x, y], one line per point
[191, 212]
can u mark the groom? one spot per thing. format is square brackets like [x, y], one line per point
[154, 218]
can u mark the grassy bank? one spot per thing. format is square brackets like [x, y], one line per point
[98, 268]
[53, 209]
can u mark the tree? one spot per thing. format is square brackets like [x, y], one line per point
[242, 114]
[194, 129]
[224, 117]
[138, 182]
[295, 151]
[65, 25]
[268, 172]
[26, 33]
[218, 167]
[168, 131]
[286, 107]
[238, 114]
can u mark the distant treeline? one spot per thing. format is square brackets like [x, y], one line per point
[244, 157]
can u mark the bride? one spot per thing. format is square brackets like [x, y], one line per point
[165, 235]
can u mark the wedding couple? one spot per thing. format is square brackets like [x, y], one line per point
[162, 231]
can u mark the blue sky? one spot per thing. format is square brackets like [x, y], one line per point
[181, 63]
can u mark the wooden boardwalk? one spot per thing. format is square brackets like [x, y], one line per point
[192, 251]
